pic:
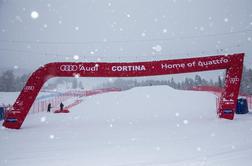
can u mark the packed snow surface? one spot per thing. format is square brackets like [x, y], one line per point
[150, 126]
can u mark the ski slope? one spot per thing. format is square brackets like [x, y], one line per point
[148, 126]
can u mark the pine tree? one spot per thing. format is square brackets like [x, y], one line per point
[8, 81]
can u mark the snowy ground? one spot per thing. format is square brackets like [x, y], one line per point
[151, 126]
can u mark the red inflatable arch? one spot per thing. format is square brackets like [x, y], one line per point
[232, 63]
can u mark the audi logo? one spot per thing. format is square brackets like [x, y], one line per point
[68, 68]
[31, 88]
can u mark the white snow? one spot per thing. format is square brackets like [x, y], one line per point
[143, 34]
[34, 15]
[157, 48]
[170, 128]
[76, 57]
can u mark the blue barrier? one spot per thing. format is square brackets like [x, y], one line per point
[1, 113]
[242, 106]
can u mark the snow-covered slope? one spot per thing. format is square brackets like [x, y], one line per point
[150, 126]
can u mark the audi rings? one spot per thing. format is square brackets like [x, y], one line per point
[68, 68]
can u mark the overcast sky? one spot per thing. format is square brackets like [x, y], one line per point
[35, 32]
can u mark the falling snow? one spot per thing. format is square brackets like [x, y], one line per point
[76, 75]
[128, 15]
[15, 67]
[34, 15]
[185, 122]
[51, 136]
[43, 119]
[143, 34]
[157, 48]
[76, 57]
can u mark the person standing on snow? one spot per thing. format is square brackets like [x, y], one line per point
[49, 107]
[61, 106]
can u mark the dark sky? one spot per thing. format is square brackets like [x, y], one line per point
[121, 30]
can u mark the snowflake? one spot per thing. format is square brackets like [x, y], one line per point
[43, 119]
[225, 19]
[15, 67]
[92, 52]
[34, 15]
[60, 22]
[249, 38]
[177, 114]
[198, 149]
[76, 75]
[143, 34]
[111, 125]
[76, 28]
[45, 25]
[51, 136]
[128, 15]
[164, 30]
[76, 57]
[109, 4]
[185, 122]
[157, 48]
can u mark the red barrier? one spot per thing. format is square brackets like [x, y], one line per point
[232, 63]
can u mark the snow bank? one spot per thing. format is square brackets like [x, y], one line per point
[150, 126]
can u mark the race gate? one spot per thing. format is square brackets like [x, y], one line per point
[233, 64]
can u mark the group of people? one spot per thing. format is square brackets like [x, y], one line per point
[49, 107]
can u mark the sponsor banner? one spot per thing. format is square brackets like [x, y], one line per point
[78, 67]
[196, 63]
[147, 68]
